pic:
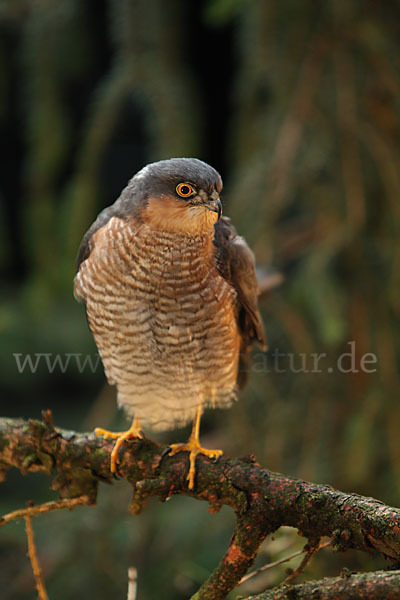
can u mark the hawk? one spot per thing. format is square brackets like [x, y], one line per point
[171, 299]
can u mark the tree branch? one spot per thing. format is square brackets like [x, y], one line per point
[47, 507]
[368, 586]
[37, 571]
[262, 500]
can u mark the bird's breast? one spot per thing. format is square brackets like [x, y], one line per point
[164, 321]
[145, 278]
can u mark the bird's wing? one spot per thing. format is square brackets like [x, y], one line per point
[235, 262]
[85, 247]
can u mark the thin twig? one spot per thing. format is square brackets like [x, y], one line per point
[132, 583]
[270, 565]
[310, 550]
[279, 562]
[31, 511]
[37, 571]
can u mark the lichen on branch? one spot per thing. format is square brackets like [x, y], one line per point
[261, 499]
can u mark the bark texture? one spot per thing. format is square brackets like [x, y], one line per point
[368, 586]
[261, 499]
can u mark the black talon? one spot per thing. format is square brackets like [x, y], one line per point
[165, 452]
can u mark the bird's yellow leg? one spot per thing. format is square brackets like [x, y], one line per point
[194, 448]
[133, 432]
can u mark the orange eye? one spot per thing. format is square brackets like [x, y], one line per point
[184, 189]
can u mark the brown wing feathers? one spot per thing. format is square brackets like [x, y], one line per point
[236, 263]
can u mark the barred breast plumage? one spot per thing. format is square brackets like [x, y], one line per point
[164, 321]
[171, 299]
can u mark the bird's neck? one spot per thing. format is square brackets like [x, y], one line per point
[168, 214]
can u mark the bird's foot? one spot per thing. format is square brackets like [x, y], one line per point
[194, 448]
[134, 432]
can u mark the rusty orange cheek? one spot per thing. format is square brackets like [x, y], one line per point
[173, 214]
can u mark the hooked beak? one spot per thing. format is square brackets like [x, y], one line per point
[214, 206]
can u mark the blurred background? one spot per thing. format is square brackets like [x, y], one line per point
[297, 105]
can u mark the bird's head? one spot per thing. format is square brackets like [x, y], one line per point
[179, 194]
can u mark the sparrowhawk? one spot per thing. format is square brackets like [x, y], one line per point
[171, 298]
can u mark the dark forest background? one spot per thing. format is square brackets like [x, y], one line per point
[296, 103]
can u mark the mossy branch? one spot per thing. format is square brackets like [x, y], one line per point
[261, 499]
[348, 586]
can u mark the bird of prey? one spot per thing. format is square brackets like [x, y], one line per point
[171, 299]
